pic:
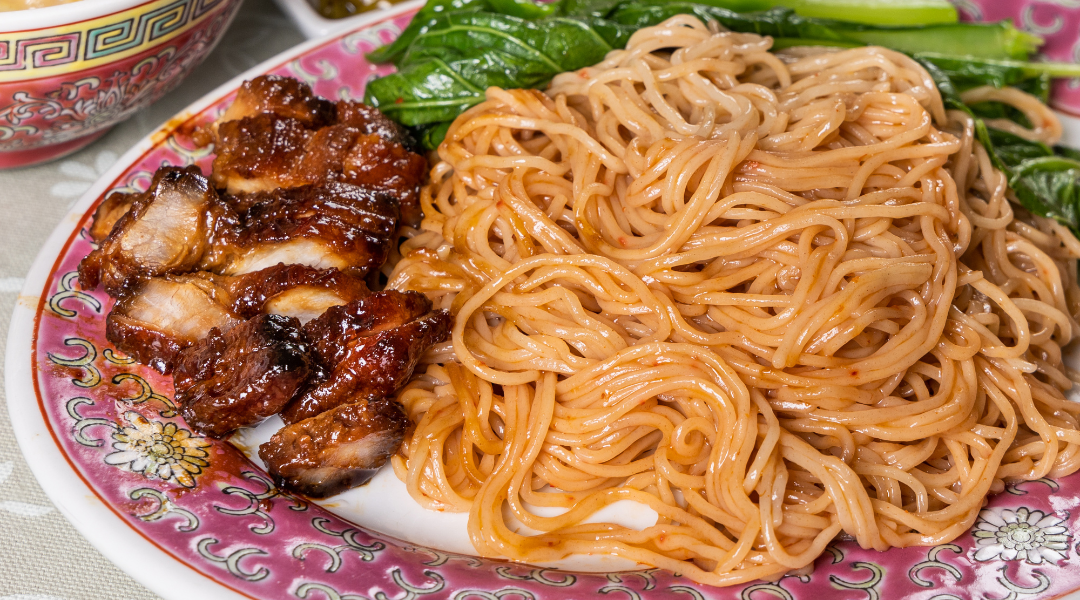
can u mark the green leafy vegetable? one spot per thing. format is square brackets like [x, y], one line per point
[998, 110]
[968, 71]
[1049, 186]
[879, 12]
[456, 57]
[950, 96]
[908, 12]
[911, 12]
[1012, 149]
[740, 6]
[782, 43]
[420, 21]
[422, 94]
[1067, 152]
[526, 9]
[587, 8]
[778, 22]
[982, 40]
[1033, 78]
[1045, 180]
[979, 40]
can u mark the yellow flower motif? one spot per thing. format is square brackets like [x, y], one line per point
[159, 450]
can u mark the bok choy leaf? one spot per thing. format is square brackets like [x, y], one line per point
[448, 66]
[983, 40]
[1049, 186]
[1045, 180]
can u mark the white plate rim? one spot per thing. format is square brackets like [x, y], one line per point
[98, 523]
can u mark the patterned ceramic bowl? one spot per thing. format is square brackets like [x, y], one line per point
[69, 72]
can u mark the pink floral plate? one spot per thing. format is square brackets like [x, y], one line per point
[191, 517]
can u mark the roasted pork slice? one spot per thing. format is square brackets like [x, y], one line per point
[277, 134]
[267, 151]
[238, 378]
[168, 229]
[292, 290]
[283, 96]
[115, 206]
[258, 153]
[375, 161]
[289, 97]
[324, 155]
[377, 312]
[368, 119]
[172, 229]
[164, 315]
[330, 225]
[369, 365]
[336, 450]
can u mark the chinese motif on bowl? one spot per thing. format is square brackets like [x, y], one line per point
[69, 72]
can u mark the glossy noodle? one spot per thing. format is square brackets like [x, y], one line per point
[776, 298]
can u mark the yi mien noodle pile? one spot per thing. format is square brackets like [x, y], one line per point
[774, 298]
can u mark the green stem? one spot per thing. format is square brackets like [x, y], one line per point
[875, 12]
[1031, 69]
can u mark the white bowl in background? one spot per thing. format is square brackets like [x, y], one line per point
[313, 25]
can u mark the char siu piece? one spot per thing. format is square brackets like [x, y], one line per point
[375, 161]
[368, 119]
[267, 151]
[240, 377]
[165, 315]
[332, 225]
[283, 96]
[292, 290]
[288, 97]
[263, 152]
[336, 450]
[367, 350]
[115, 206]
[169, 229]
[372, 314]
[277, 133]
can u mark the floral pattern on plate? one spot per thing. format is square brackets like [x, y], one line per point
[202, 502]
[166, 451]
[1028, 535]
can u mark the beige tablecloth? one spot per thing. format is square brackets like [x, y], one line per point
[41, 556]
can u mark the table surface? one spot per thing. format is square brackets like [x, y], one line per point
[41, 556]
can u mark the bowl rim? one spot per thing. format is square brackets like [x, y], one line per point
[35, 19]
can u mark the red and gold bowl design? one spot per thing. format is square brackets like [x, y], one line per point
[69, 72]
